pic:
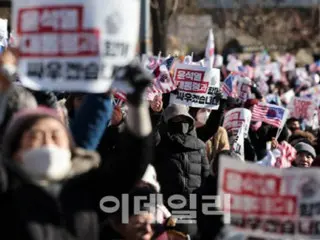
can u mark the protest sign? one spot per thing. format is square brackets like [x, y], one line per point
[275, 71]
[3, 32]
[197, 86]
[235, 118]
[238, 143]
[302, 74]
[312, 92]
[302, 108]
[244, 88]
[288, 96]
[270, 203]
[74, 45]
[288, 62]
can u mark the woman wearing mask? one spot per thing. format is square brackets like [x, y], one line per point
[52, 190]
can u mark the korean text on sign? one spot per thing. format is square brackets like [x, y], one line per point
[64, 46]
[197, 86]
[235, 119]
[279, 203]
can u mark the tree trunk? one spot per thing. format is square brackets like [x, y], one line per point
[159, 18]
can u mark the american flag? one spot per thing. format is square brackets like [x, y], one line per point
[268, 113]
[227, 85]
[287, 155]
[120, 96]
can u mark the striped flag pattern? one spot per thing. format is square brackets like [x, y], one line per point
[227, 85]
[268, 113]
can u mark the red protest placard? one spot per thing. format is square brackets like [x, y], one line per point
[56, 31]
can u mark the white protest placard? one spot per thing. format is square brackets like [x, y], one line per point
[235, 118]
[3, 32]
[303, 108]
[197, 86]
[312, 92]
[74, 45]
[244, 88]
[275, 71]
[218, 61]
[302, 74]
[269, 203]
[238, 143]
[288, 96]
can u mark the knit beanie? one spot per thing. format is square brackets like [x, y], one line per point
[21, 122]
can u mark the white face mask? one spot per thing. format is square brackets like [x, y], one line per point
[202, 117]
[47, 163]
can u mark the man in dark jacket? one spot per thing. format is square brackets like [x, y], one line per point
[181, 162]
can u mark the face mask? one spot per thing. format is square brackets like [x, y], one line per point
[47, 163]
[179, 127]
[202, 117]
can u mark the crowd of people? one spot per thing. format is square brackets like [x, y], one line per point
[62, 153]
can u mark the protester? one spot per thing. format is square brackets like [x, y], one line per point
[61, 200]
[60, 159]
[293, 124]
[181, 161]
[305, 155]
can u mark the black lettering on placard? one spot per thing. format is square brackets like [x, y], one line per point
[271, 226]
[238, 221]
[188, 97]
[73, 71]
[35, 69]
[202, 99]
[305, 210]
[195, 98]
[305, 227]
[211, 90]
[253, 223]
[116, 49]
[91, 71]
[53, 70]
[180, 96]
[288, 227]
[316, 228]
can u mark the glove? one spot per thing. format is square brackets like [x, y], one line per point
[219, 94]
[233, 102]
[138, 79]
[254, 88]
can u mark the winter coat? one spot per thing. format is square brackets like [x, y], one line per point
[31, 212]
[181, 163]
[217, 143]
[209, 226]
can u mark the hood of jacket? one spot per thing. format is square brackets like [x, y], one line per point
[175, 110]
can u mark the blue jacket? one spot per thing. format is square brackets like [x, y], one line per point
[91, 120]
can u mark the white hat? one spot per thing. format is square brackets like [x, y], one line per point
[150, 176]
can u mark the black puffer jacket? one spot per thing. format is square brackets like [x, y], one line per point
[181, 164]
